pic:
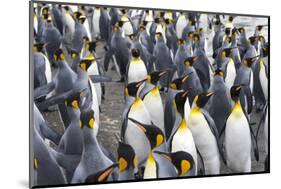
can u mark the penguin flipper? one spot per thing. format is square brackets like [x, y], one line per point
[56, 99]
[201, 166]
[262, 119]
[249, 97]
[254, 143]
[125, 119]
[43, 90]
[107, 58]
[50, 133]
[214, 130]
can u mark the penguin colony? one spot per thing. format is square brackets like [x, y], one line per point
[185, 113]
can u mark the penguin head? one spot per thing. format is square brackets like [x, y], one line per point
[100, 176]
[87, 119]
[181, 42]
[261, 38]
[227, 31]
[117, 26]
[67, 8]
[73, 101]
[218, 72]
[73, 54]
[227, 39]
[177, 83]
[144, 23]
[190, 60]
[132, 88]
[86, 62]
[85, 39]
[259, 27]
[158, 36]
[249, 61]
[168, 21]
[202, 99]
[92, 45]
[230, 18]
[132, 36]
[252, 40]
[154, 77]
[152, 132]
[76, 15]
[180, 100]
[190, 35]
[123, 10]
[142, 27]
[196, 37]
[235, 92]
[226, 52]
[265, 51]
[234, 32]
[241, 30]
[45, 12]
[192, 22]
[38, 47]
[135, 53]
[201, 31]
[126, 156]
[157, 20]
[182, 160]
[59, 55]
[82, 19]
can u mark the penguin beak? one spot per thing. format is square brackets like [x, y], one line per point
[209, 94]
[184, 94]
[140, 83]
[164, 155]
[140, 125]
[162, 73]
[107, 172]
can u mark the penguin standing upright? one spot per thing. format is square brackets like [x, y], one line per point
[205, 134]
[152, 99]
[182, 139]
[237, 140]
[180, 56]
[131, 134]
[89, 163]
[136, 68]
[181, 22]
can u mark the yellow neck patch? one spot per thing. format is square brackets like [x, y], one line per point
[237, 109]
[136, 60]
[35, 164]
[185, 166]
[91, 123]
[159, 140]
[122, 164]
[183, 126]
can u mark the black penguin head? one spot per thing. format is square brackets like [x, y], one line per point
[196, 37]
[132, 88]
[226, 52]
[180, 100]
[190, 35]
[168, 21]
[227, 31]
[259, 27]
[124, 10]
[241, 30]
[154, 77]
[192, 22]
[73, 54]
[100, 176]
[249, 61]
[86, 62]
[142, 27]
[135, 53]
[152, 132]
[82, 19]
[126, 156]
[253, 40]
[67, 8]
[76, 15]
[201, 30]
[45, 11]
[218, 72]
[159, 36]
[265, 51]
[144, 22]
[234, 32]
[261, 38]
[73, 100]
[59, 55]
[202, 99]
[182, 160]
[92, 45]
[177, 83]
[87, 119]
[190, 60]
[132, 36]
[38, 47]
[235, 92]
[157, 20]
[85, 39]
[181, 42]
[230, 18]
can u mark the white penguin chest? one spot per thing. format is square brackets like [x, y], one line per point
[263, 80]
[96, 22]
[180, 25]
[48, 71]
[150, 171]
[128, 28]
[137, 71]
[69, 22]
[230, 73]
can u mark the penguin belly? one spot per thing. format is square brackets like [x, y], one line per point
[134, 135]
[87, 28]
[128, 28]
[70, 23]
[137, 71]
[48, 72]
[230, 74]
[154, 105]
[205, 142]
[183, 141]
[95, 107]
[186, 110]
[181, 23]
[263, 81]
[96, 22]
[238, 142]
[93, 70]
[150, 171]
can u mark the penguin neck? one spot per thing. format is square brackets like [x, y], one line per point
[183, 125]
[73, 113]
[81, 73]
[136, 60]
[89, 138]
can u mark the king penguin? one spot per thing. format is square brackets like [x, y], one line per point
[237, 141]
[205, 134]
